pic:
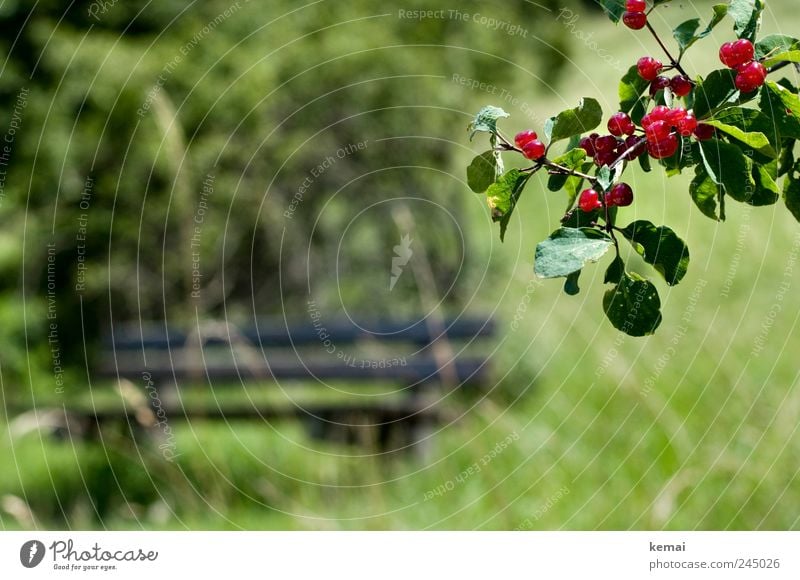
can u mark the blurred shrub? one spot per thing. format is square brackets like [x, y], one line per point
[130, 110]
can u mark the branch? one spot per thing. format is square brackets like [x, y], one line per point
[674, 62]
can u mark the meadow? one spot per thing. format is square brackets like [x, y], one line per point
[695, 427]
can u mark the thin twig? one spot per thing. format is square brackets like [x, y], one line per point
[674, 62]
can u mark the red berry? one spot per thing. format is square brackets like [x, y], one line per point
[649, 67]
[587, 144]
[524, 137]
[605, 143]
[659, 113]
[750, 76]
[704, 132]
[605, 157]
[680, 85]
[659, 83]
[664, 148]
[533, 149]
[621, 195]
[620, 124]
[733, 54]
[687, 125]
[634, 20]
[743, 50]
[636, 147]
[635, 5]
[675, 115]
[658, 131]
[589, 200]
[726, 54]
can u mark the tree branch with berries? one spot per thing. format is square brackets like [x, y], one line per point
[735, 128]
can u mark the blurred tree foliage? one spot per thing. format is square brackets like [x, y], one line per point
[150, 99]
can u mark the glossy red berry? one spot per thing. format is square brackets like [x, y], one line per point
[675, 115]
[703, 132]
[524, 137]
[587, 144]
[589, 200]
[658, 131]
[605, 143]
[680, 85]
[634, 20]
[687, 125]
[750, 76]
[636, 145]
[605, 157]
[620, 124]
[534, 149]
[664, 148]
[635, 5]
[620, 195]
[648, 67]
[736, 53]
[659, 83]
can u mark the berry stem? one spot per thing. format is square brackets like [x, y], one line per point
[672, 60]
[609, 227]
[567, 171]
[779, 66]
[628, 151]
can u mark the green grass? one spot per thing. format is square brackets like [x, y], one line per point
[688, 429]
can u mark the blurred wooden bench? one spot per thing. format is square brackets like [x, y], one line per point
[421, 361]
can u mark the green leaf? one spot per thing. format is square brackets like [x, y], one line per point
[605, 178]
[746, 16]
[633, 306]
[572, 159]
[644, 162]
[791, 192]
[502, 197]
[486, 120]
[567, 250]
[482, 172]
[572, 187]
[705, 192]
[571, 284]
[773, 44]
[766, 191]
[751, 121]
[786, 161]
[684, 33]
[580, 219]
[615, 271]
[754, 139]
[728, 166]
[789, 99]
[788, 56]
[614, 9]
[713, 91]
[661, 248]
[585, 117]
[631, 88]
[780, 107]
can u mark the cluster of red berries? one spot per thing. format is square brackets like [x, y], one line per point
[529, 143]
[663, 125]
[606, 149]
[635, 17]
[620, 195]
[650, 68]
[739, 55]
